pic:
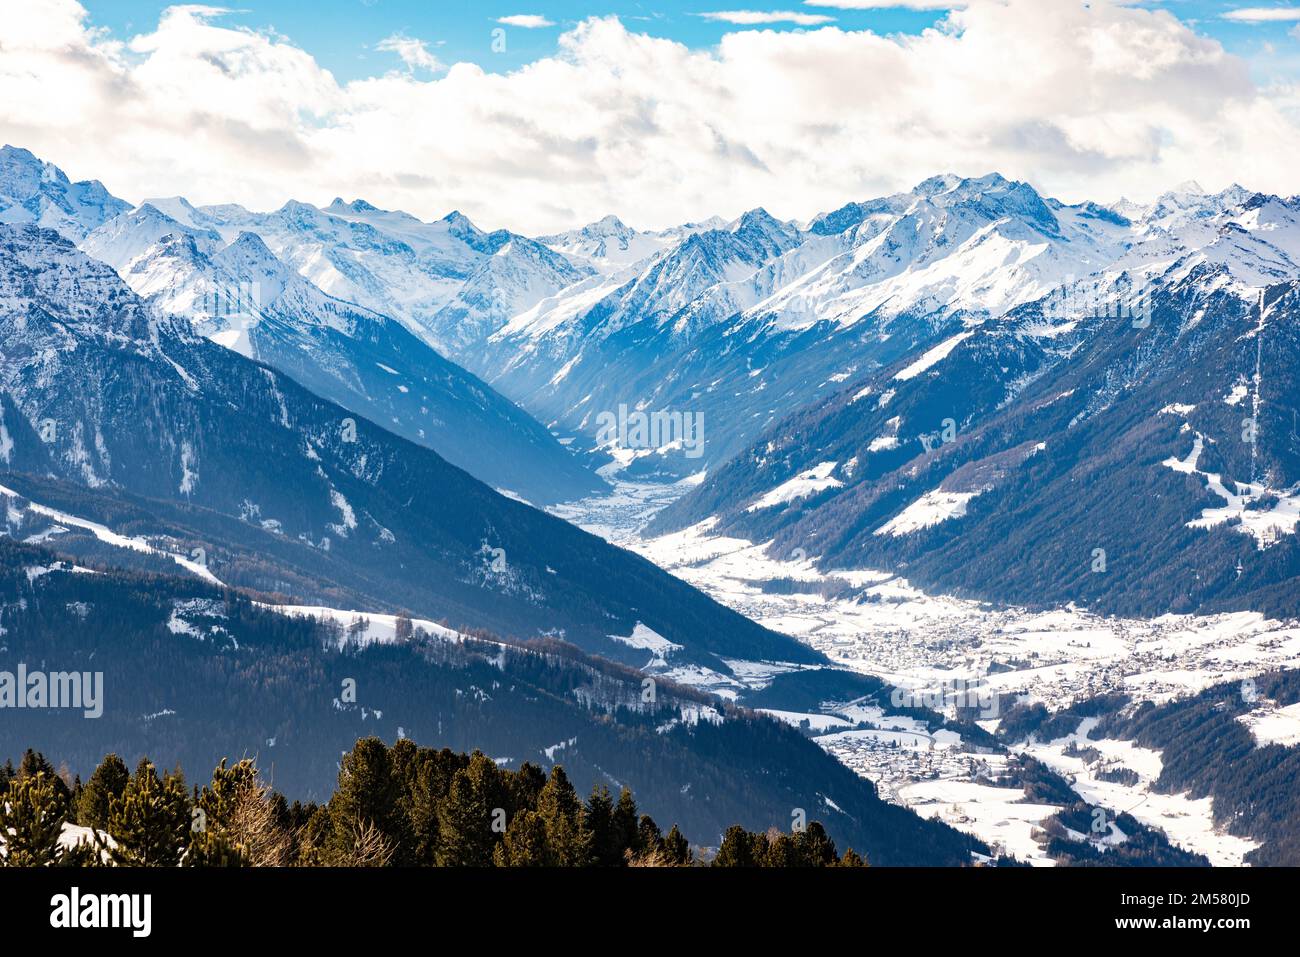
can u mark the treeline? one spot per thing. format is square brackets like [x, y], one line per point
[402, 806]
[1067, 836]
[245, 682]
[1206, 751]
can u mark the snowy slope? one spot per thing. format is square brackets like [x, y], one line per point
[242, 296]
[38, 193]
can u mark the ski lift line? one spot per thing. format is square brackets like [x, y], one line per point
[1254, 409]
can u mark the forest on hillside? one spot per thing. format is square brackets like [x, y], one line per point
[403, 806]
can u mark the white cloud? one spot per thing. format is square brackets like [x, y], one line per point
[414, 53]
[1264, 15]
[757, 17]
[526, 21]
[888, 4]
[1085, 102]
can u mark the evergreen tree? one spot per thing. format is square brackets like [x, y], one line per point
[676, 848]
[780, 851]
[649, 837]
[108, 781]
[598, 820]
[369, 797]
[423, 799]
[31, 821]
[814, 847]
[465, 835]
[219, 799]
[525, 842]
[150, 822]
[525, 786]
[624, 824]
[852, 859]
[34, 763]
[737, 850]
[560, 810]
[213, 849]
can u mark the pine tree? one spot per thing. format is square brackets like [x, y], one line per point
[852, 859]
[598, 819]
[31, 821]
[212, 849]
[34, 763]
[108, 781]
[525, 786]
[649, 837]
[737, 850]
[150, 822]
[524, 844]
[465, 835]
[676, 848]
[369, 793]
[780, 851]
[814, 848]
[558, 805]
[219, 799]
[624, 824]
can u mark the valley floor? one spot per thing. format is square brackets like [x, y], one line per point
[877, 623]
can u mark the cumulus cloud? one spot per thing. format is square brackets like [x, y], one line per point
[757, 17]
[414, 53]
[1090, 101]
[527, 21]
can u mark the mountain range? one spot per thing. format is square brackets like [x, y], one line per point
[356, 416]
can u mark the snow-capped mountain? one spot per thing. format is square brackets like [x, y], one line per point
[122, 415]
[32, 191]
[747, 323]
[241, 295]
[519, 273]
[1143, 458]
[610, 246]
[448, 281]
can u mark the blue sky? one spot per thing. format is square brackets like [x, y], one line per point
[343, 34]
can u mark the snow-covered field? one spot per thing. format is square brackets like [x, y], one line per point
[877, 623]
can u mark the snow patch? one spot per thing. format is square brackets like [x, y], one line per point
[804, 485]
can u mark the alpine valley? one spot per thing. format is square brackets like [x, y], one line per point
[961, 520]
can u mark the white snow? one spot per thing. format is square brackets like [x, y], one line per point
[109, 537]
[933, 357]
[804, 485]
[1271, 724]
[1265, 525]
[648, 639]
[930, 509]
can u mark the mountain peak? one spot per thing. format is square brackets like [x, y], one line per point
[607, 226]
[356, 206]
[16, 154]
[936, 185]
[757, 217]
